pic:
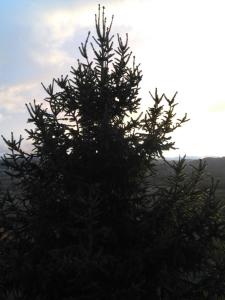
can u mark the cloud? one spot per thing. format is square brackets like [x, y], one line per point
[61, 25]
[51, 57]
[57, 33]
[201, 136]
[1, 117]
[57, 27]
[217, 107]
[54, 28]
[13, 98]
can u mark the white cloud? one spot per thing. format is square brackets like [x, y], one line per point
[201, 136]
[52, 57]
[61, 24]
[13, 98]
[54, 28]
[180, 46]
[217, 107]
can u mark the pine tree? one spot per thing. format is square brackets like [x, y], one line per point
[85, 222]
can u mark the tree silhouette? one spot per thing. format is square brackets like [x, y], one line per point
[85, 222]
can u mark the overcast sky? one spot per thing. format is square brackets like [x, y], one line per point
[179, 43]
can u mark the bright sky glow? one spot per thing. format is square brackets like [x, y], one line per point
[179, 43]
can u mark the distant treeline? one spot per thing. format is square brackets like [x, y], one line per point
[215, 169]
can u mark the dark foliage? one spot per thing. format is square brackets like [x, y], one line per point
[85, 222]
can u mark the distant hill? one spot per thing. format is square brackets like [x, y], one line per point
[215, 168]
[215, 165]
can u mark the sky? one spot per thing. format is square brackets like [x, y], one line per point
[180, 45]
